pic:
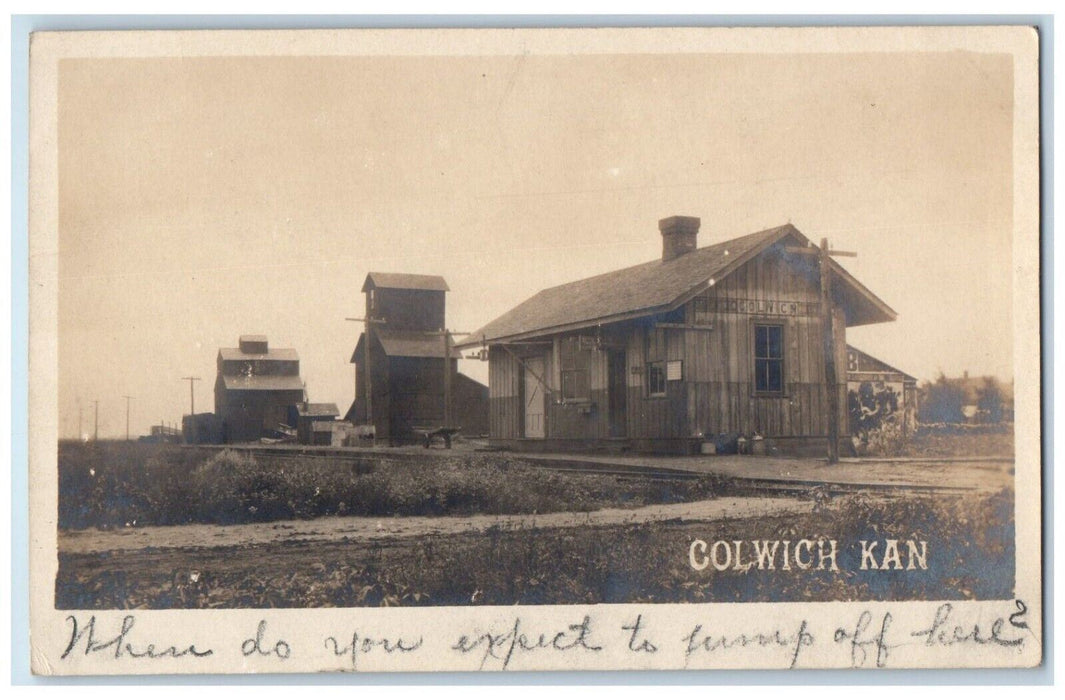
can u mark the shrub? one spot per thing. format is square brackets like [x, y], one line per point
[110, 486]
[889, 439]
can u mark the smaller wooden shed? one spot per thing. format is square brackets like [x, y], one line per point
[876, 390]
[307, 414]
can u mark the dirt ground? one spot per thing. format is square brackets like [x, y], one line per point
[339, 529]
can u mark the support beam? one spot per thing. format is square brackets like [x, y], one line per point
[687, 326]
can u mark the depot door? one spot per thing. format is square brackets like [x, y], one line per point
[616, 388]
[534, 398]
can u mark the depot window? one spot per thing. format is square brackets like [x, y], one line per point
[769, 359]
[576, 360]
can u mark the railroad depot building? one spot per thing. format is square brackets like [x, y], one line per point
[255, 388]
[719, 340]
[401, 357]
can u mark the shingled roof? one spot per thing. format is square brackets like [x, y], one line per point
[868, 363]
[397, 280]
[397, 343]
[317, 409]
[263, 382]
[287, 354]
[659, 286]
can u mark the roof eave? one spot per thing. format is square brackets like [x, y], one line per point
[475, 341]
[886, 313]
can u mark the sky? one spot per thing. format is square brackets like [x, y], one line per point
[205, 198]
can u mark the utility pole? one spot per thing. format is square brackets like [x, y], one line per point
[127, 398]
[447, 375]
[367, 372]
[828, 334]
[95, 420]
[79, 420]
[830, 353]
[192, 406]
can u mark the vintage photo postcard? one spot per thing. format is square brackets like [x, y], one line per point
[539, 349]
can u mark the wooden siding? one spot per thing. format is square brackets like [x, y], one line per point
[504, 394]
[588, 420]
[380, 407]
[408, 309]
[716, 391]
[719, 363]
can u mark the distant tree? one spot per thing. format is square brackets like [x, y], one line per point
[943, 401]
[990, 404]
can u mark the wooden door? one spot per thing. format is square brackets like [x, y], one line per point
[534, 398]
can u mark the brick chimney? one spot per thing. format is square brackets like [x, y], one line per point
[679, 234]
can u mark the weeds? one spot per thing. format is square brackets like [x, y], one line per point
[120, 485]
[970, 555]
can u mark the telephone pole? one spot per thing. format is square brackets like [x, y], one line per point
[192, 406]
[95, 420]
[447, 375]
[828, 335]
[127, 398]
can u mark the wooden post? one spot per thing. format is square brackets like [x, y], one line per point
[127, 398]
[830, 353]
[447, 380]
[447, 376]
[192, 408]
[367, 373]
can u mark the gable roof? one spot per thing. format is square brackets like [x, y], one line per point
[868, 363]
[397, 343]
[286, 354]
[262, 382]
[317, 409]
[400, 280]
[659, 286]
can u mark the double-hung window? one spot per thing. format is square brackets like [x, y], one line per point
[576, 363]
[769, 358]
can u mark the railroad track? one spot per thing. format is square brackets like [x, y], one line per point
[633, 472]
[326, 455]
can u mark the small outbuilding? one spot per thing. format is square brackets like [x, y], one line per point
[202, 429]
[876, 390]
[321, 432]
[306, 414]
